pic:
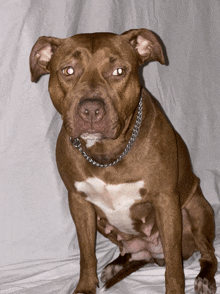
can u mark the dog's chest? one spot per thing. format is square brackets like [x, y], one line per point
[114, 200]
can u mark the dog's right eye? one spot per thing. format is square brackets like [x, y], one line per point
[68, 71]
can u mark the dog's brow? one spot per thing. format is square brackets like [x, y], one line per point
[112, 59]
[76, 54]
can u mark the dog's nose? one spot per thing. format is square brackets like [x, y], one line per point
[91, 111]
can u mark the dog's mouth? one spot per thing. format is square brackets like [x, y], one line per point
[91, 138]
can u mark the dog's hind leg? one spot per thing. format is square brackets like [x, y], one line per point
[119, 269]
[201, 218]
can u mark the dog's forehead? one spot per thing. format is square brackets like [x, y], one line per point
[95, 41]
[97, 44]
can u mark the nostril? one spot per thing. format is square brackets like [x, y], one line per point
[99, 112]
[86, 111]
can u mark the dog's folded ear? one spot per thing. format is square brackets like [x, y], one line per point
[146, 44]
[41, 55]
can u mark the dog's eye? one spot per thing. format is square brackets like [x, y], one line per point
[118, 72]
[68, 71]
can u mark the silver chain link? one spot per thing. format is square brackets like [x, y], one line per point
[77, 143]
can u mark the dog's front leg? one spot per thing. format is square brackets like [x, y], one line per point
[169, 220]
[84, 218]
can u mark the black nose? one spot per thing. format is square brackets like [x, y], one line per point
[91, 110]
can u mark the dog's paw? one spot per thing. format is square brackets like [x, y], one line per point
[203, 286]
[109, 271]
[87, 286]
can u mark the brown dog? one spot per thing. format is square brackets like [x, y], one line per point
[127, 171]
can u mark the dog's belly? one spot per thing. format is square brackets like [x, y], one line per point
[114, 200]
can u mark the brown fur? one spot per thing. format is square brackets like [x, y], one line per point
[171, 206]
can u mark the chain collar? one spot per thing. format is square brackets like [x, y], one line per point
[77, 143]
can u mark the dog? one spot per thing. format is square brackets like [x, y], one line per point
[127, 171]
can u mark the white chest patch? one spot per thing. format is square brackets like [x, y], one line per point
[113, 200]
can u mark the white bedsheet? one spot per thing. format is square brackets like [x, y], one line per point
[38, 244]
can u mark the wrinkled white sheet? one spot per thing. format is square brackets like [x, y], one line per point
[38, 244]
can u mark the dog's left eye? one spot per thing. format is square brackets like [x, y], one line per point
[68, 71]
[118, 72]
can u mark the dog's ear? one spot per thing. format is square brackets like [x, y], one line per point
[146, 44]
[41, 55]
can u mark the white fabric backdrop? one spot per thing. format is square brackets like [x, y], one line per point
[38, 245]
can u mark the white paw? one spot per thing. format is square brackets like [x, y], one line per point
[109, 271]
[202, 286]
[102, 290]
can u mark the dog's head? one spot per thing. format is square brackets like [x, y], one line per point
[94, 81]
